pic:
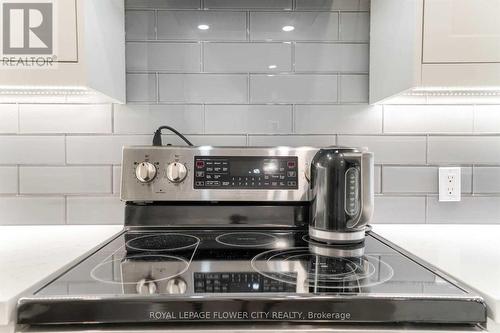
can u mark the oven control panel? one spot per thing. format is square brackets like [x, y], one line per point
[245, 172]
[216, 174]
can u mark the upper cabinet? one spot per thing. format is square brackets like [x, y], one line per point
[67, 51]
[435, 48]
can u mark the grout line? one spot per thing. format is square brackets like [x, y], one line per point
[247, 17]
[293, 119]
[156, 24]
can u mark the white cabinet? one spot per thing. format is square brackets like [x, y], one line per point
[65, 31]
[88, 58]
[447, 48]
[461, 31]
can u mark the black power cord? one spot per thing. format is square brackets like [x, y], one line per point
[157, 136]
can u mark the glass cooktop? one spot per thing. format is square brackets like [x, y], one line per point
[244, 262]
[170, 271]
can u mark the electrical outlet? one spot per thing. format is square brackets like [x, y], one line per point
[449, 184]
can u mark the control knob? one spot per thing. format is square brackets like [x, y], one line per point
[176, 286]
[145, 172]
[176, 172]
[146, 287]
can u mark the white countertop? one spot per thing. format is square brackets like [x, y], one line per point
[470, 253]
[28, 254]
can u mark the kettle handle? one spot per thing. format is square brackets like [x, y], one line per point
[365, 159]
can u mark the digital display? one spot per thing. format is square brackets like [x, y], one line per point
[246, 172]
[254, 167]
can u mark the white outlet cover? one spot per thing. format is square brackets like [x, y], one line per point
[450, 184]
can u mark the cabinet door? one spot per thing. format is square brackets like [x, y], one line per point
[65, 31]
[461, 31]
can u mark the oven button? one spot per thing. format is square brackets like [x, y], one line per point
[176, 286]
[176, 172]
[200, 164]
[145, 172]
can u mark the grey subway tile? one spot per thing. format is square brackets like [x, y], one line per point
[65, 180]
[8, 180]
[428, 118]
[464, 149]
[233, 119]
[307, 26]
[247, 57]
[9, 118]
[106, 149]
[327, 4]
[486, 179]
[65, 118]
[141, 87]
[487, 119]
[140, 25]
[144, 119]
[117, 175]
[377, 181]
[31, 210]
[203, 88]
[424, 179]
[470, 210]
[399, 210]
[292, 140]
[349, 119]
[390, 149]
[184, 25]
[249, 4]
[32, 150]
[354, 89]
[163, 4]
[105, 210]
[355, 27]
[302, 88]
[323, 57]
[158, 56]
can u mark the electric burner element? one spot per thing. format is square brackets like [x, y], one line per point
[159, 267]
[246, 239]
[300, 266]
[162, 243]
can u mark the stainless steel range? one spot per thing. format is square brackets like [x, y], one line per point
[223, 235]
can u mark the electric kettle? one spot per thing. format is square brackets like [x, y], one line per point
[341, 181]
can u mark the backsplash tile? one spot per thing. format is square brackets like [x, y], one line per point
[245, 81]
[183, 25]
[324, 57]
[32, 210]
[9, 118]
[303, 88]
[32, 150]
[159, 56]
[203, 88]
[464, 150]
[247, 57]
[338, 119]
[249, 4]
[307, 26]
[291, 140]
[140, 25]
[390, 149]
[64, 118]
[144, 118]
[8, 180]
[233, 119]
[355, 27]
[141, 88]
[65, 180]
[163, 4]
[428, 118]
